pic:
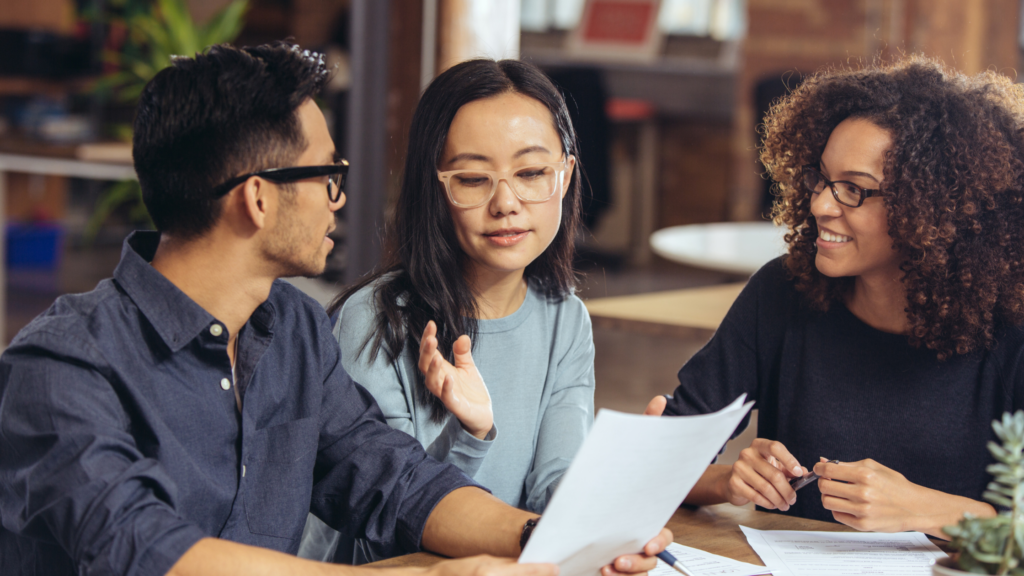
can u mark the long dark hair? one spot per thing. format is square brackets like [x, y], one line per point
[421, 278]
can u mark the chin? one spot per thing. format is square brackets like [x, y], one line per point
[830, 268]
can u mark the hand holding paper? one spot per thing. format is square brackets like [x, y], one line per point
[628, 478]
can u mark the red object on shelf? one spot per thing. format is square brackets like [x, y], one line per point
[624, 109]
[618, 21]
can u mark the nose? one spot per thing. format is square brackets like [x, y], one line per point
[504, 201]
[824, 204]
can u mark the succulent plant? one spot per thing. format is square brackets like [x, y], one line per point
[996, 545]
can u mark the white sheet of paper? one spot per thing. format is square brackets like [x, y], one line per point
[795, 553]
[703, 563]
[626, 481]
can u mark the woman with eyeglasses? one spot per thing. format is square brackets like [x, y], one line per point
[469, 336]
[889, 337]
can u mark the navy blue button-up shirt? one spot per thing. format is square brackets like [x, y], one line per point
[121, 443]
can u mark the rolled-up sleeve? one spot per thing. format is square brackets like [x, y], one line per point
[71, 474]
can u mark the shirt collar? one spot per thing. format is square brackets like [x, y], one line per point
[174, 316]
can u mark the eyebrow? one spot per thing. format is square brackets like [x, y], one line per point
[482, 158]
[852, 173]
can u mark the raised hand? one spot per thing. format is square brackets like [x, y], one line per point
[460, 386]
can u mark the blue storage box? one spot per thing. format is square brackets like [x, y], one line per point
[33, 246]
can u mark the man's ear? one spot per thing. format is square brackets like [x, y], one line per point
[256, 194]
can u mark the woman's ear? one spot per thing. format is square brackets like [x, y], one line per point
[570, 166]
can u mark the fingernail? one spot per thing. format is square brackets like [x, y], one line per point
[822, 459]
[798, 471]
[625, 564]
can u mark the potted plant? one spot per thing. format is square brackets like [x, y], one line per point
[994, 545]
[156, 33]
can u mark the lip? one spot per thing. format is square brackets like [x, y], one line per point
[506, 236]
[822, 243]
[327, 236]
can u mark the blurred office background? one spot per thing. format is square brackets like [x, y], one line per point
[668, 123]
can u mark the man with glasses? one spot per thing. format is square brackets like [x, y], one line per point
[184, 416]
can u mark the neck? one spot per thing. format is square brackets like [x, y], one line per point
[880, 301]
[497, 294]
[216, 273]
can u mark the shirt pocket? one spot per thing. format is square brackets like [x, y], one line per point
[278, 481]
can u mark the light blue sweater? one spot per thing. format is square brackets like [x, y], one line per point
[538, 364]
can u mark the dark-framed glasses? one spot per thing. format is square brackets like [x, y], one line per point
[846, 193]
[531, 184]
[335, 182]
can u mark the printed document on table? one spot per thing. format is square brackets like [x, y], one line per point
[795, 553]
[628, 478]
[703, 563]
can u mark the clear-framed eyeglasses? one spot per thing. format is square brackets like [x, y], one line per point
[846, 193]
[531, 184]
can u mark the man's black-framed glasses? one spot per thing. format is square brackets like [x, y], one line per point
[335, 182]
[846, 193]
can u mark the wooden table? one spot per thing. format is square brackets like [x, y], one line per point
[714, 529]
[690, 313]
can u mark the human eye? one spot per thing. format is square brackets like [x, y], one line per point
[533, 172]
[849, 191]
[471, 179]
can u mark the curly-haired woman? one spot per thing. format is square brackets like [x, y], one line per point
[889, 337]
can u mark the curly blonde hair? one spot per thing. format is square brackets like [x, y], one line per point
[953, 184]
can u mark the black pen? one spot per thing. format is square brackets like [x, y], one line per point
[798, 483]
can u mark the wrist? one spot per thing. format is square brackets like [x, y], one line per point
[528, 527]
[722, 474]
[954, 507]
[478, 432]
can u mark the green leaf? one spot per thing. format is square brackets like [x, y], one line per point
[226, 24]
[181, 29]
[998, 499]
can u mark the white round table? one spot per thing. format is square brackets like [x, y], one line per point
[735, 247]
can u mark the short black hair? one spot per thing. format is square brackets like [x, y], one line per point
[204, 120]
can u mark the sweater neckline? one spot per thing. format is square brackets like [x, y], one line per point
[513, 320]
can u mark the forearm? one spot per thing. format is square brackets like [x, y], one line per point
[470, 521]
[710, 489]
[212, 556]
[938, 509]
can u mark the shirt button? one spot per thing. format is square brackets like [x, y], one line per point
[225, 384]
[217, 330]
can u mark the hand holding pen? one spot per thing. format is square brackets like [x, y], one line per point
[798, 483]
[762, 475]
[674, 563]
